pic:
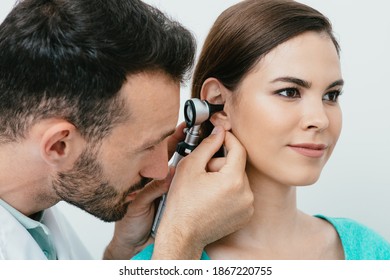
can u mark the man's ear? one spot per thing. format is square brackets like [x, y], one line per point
[216, 93]
[61, 144]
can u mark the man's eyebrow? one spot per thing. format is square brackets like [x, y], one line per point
[157, 141]
[304, 83]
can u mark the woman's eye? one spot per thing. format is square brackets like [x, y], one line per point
[289, 93]
[332, 96]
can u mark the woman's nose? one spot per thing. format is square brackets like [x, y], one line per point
[314, 116]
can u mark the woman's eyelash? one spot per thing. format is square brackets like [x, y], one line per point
[293, 92]
[289, 92]
[332, 96]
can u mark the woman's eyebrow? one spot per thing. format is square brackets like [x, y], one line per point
[293, 80]
[336, 83]
[305, 84]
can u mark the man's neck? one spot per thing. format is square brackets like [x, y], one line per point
[24, 180]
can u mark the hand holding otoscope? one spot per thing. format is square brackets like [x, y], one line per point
[196, 112]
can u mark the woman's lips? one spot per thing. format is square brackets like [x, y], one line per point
[309, 149]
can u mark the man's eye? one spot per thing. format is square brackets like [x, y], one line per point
[151, 148]
[289, 93]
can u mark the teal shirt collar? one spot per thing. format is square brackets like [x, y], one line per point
[37, 229]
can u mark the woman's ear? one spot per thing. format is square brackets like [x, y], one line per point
[215, 93]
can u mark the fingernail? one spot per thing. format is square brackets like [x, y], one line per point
[216, 130]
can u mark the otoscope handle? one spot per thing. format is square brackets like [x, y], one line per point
[161, 206]
[182, 149]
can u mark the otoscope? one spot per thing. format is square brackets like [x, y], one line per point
[196, 112]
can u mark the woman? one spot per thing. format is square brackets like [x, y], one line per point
[274, 64]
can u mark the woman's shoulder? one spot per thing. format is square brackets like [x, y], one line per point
[147, 253]
[358, 240]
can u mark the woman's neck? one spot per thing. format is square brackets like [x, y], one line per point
[275, 208]
[278, 230]
[275, 220]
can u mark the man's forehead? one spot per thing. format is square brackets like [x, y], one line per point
[150, 91]
[153, 102]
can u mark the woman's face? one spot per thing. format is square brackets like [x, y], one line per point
[286, 111]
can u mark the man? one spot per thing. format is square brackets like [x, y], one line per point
[89, 99]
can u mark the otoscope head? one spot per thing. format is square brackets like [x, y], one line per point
[197, 111]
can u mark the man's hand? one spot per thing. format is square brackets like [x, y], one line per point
[208, 199]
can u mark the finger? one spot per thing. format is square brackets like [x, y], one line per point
[176, 138]
[236, 154]
[207, 148]
[154, 189]
[215, 164]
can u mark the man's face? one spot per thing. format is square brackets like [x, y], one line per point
[105, 177]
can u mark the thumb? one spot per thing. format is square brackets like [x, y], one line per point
[207, 148]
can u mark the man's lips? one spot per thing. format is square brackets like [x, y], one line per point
[135, 189]
[312, 150]
[131, 196]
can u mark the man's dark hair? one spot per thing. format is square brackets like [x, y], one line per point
[69, 58]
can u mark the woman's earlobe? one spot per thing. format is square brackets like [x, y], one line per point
[221, 119]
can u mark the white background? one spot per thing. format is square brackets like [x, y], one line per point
[355, 183]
